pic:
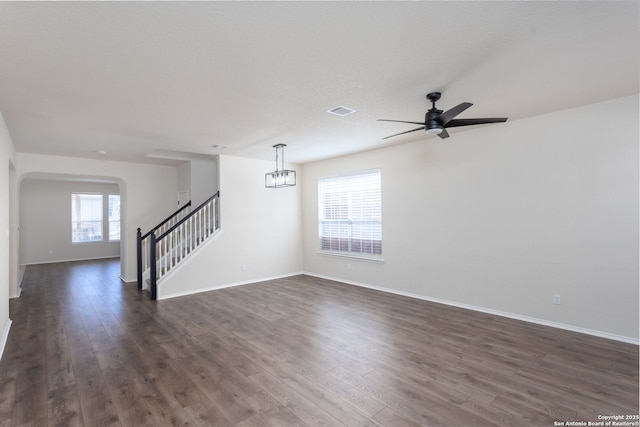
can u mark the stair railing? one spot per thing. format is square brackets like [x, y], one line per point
[169, 248]
[143, 244]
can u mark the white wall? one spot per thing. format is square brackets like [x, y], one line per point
[502, 217]
[260, 231]
[148, 192]
[184, 179]
[7, 164]
[204, 180]
[198, 177]
[15, 271]
[50, 240]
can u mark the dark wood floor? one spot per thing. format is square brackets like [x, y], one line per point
[86, 349]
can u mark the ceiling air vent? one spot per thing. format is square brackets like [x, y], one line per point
[341, 111]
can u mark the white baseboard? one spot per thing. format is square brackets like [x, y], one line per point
[226, 285]
[70, 260]
[128, 279]
[5, 337]
[21, 269]
[601, 334]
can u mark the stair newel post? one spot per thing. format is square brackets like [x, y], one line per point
[152, 270]
[218, 210]
[139, 256]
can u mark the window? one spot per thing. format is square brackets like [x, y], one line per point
[350, 210]
[86, 218]
[114, 217]
[87, 213]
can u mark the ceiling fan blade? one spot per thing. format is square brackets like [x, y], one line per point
[402, 133]
[444, 134]
[469, 122]
[445, 117]
[400, 121]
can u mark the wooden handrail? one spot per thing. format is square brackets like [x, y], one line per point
[170, 247]
[189, 215]
[140, 238]
[169, 218]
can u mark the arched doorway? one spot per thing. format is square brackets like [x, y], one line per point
[44, 218]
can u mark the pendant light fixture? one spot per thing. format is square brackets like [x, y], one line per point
[281, 177]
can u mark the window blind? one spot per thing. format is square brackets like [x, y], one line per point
[350, 214]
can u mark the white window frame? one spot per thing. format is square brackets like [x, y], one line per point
[76, 222]
[109, 216]
[105, 219]
[336, 228]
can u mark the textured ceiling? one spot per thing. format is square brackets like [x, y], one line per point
[172, 79]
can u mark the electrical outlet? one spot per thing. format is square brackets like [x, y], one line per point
[348, 266]
[243, 267]
[557, 299]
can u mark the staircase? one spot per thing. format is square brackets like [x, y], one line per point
[166, 245]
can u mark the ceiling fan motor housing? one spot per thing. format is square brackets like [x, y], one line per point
[431, 124]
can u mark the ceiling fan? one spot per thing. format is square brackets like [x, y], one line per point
[435, 121]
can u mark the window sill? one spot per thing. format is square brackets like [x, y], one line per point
[372, 258]
[95, 242]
